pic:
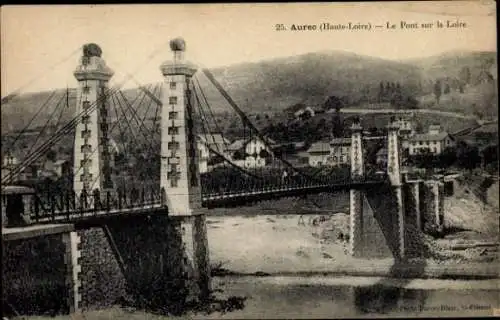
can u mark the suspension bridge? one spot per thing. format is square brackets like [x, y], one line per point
[181, 113]
[138, 216]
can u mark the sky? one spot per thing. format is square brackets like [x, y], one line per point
[41, 45]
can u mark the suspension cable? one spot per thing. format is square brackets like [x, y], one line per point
[134, 137]
[54, 139]
[246, 120]
[46, 124]
[50, 69]
[141, 127]
[44, 105]
[228, 160]
[64, 131]
[211, 113]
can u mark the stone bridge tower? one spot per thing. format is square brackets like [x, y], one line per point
[356, 195]
[92, 167]
[394, 174]
[180, 175]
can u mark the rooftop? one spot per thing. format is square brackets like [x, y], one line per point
[320, 147]
[237, 145]
[340, 141]
[429, 137]
[214, 138]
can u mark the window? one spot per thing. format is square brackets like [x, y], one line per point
[85, 162]
[86, 148]
[173, 145]
[173, 130]
[86, 119]
[104, 142]
[173, 85]
[104, 113]
[85, 177]
[86, 105]
[172, 115]
[172, 100]
[86, 134]
[86, 89]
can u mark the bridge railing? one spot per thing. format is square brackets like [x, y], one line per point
[66, 205]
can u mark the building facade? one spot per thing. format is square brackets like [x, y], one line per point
[433, 143]
[340, 151]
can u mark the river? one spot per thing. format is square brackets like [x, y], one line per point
[340, 297]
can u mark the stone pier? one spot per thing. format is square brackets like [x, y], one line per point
[434, 203]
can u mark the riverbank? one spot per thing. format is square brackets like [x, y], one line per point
[312, 245]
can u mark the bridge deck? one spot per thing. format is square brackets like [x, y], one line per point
[32, 231]
[62, 210]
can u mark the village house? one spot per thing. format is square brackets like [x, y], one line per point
[209, 142]
[319, 153]
[434, 141]
[251, 152]
[9, 162]
[406, 129]
[340, 151]
[257, 152]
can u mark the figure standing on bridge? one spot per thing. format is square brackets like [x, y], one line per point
[285, 176]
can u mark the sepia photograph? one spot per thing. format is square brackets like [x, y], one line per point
[250, 160]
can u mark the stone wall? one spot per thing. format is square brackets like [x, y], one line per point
[140, 260]
[34, 276]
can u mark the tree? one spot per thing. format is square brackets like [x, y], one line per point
[446, 89]
[333, 102]
[468, 156]
[337, 125]
[51, 155]
[411, 102]
[437, 90]
[490, 156]
[381, 92]
[448, 157]
[465, 75]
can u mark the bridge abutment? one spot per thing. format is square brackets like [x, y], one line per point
[39, 270]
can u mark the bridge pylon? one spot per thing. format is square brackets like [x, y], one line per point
[92, 159]
[180, 174]
[395, 178]
[356, 195]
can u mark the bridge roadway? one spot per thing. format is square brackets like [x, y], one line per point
[70, 214]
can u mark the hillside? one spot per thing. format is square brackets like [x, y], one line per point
[475, 72]
[274, 85]
[311, 78]
[450, 64]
